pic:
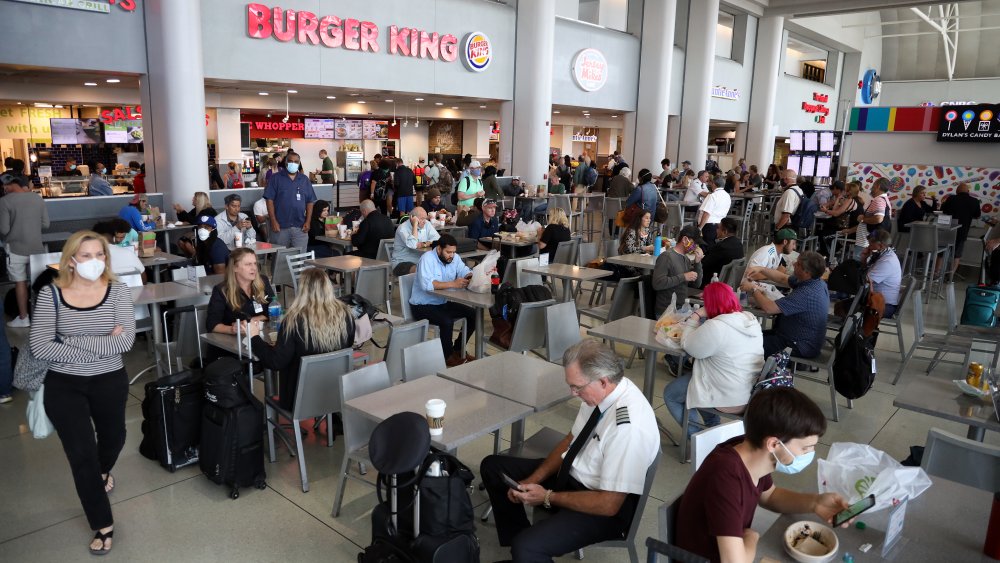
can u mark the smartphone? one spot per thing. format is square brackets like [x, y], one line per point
[854, 510]
[510, 482]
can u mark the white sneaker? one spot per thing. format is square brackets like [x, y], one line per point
[5, 399]
[20, 322]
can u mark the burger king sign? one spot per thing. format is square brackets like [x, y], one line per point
[477, 51]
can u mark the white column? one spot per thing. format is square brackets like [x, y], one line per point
[740, 144]
[533, 89]
[476, 138]
[506, 144]
[176, 109]
[648, 145]
[149, 138]
[227, 140]
[566, 141]
[629, 141]
[767, 66]
[673, 140]
[699, 64]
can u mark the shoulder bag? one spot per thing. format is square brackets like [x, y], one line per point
[29, 372]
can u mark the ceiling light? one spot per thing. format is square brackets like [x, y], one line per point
[58, 106]
[419, 99]
[263, 94]
[90, 84]
[614, 116]
[454, 107]
[355, 94]
[331, 97]
[388, 101]
[416, 123]
[587, 116]
[42, 105]
[438, 104]
[113, 81]
[362, 102]
[393, 123]
[482, 107]
[556, 111]
[293, 91]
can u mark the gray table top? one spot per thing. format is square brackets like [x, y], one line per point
[162, 259]
[261, 248]
[446, 228]
[466, 297]
[508, 241]
[644, 261]
[228, 342]
[336, 240]
[566, 271]
[162, 292]
[941, 398]
[632, 330]
[173, 227]
[586, 195]
[347, 263]
[530, 381]
[945, 523]
[470, 413]
[205, 284]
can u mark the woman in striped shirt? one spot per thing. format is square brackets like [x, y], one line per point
[82, 325]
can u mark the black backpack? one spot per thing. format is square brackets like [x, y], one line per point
[508, 300]
[805, 215]
[854, 367]
[382, 185]
[222, 382]
[847, 277]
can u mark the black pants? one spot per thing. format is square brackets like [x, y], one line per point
[444, 317]
[80, 407]
[993, 272]
[565, 531]
[708, 232]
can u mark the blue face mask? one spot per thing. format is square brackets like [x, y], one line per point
[475, 172]
[104, 170]
[799, 462]
[72, 167]
[292, 167]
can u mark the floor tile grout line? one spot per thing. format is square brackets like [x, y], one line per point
[317, 518]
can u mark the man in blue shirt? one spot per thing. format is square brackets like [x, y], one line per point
[441, 268]
[290, 199]
[412, 238]
[802, 321]
[133, 212]
[98, 185]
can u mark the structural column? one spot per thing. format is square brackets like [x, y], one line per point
[699, 64]
[764, 90]
[227, 140]
[740, 144]
[533, 89]
[176, 98]
[506, 144]
[648, 146]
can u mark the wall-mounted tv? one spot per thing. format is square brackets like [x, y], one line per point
[67, 131]
[827, 141]
[810, 141]
[795, 140]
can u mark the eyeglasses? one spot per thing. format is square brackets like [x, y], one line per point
[577, 389]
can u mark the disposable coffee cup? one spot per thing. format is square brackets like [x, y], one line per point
[343, 229]
[145, 217]
[355, 224]
[163, 218]
[435, 416]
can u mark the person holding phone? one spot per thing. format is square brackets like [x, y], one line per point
[441, 268]
[782, 427]
[677, 269]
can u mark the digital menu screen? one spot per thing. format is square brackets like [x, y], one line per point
[796, 140]
[826, 141]
[823, 164]
[794, 163]
[348, 129]
[808, 166]
[319, 128]
[75, 131]
[123, 131]
[376, 129]
[810, 141]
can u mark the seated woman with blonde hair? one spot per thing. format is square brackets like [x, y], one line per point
[316, 323]
[555, 232]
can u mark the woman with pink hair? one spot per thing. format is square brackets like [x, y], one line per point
[728, 352]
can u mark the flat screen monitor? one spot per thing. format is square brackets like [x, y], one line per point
[794, 162]
[826, 141]
[823, 163]
[808, 166]
[75, 131]
[319, 128]
[810, 141]
[796, 140]
[123, 131]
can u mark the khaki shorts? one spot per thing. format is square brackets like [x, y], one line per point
[17, 267]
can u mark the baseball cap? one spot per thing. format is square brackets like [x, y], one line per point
[14, 179]
[476, 164]
[489, 201]
[692, 233]
[138, 198]
[785, 234]
[207, 220]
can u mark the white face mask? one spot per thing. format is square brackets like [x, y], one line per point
[203, 234]
[90, 269]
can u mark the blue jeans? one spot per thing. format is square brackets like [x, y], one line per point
[404, 203]
[675, 395]
[6, 370]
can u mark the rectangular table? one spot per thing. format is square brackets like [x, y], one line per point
[478, 301]
[568, 274]
[169, 228]
[161, 258]
[947, 522]
[153, 294]
[529, 381]
[470, 413]
[941, 398]
[204, 284]
[347, 265]
[638, 332]
[344, 244]
[640, 261]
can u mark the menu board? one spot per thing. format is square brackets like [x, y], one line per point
[796, 140]
[123, 131]
[319, 128]
[376, 129]
[810, 141]
[348, 129]
[75, 131]
[826, 141]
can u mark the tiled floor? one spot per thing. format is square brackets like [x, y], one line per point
[183, 517]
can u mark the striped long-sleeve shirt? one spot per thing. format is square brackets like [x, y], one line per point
[85, 346]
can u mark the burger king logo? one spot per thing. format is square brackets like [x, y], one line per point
[477, 51]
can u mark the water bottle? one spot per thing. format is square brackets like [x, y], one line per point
[658, 245]
[715, 277]
[274, 315]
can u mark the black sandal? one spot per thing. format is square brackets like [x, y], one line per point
[110, 478]
[104, 538]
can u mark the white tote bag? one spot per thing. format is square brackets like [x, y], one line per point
[38, 421]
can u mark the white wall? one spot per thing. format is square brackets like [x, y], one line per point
[308, 150]
[918, 148]
[732, 74]
[413, 142]
[915, 92]
[622, 53]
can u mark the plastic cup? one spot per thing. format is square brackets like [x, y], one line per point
[435, 416]
[343, 230]
[355, 224]
[163, 218]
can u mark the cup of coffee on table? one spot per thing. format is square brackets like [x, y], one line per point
[435, 416]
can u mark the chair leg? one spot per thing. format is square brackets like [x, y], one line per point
[301, 456]
[631, 357]
[268, 413]
[486, 513]
[906, 360]
[344, 468]
[329, 430]
[684, 436]
[899, 336]
[633, 553]
[833, 394]
[579, 554]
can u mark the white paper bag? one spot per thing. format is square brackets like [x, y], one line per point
[529, 227]
[858, 470]
[38, 421]
[482, 272]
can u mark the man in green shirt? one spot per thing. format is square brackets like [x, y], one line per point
[470, 186]
[329, 173]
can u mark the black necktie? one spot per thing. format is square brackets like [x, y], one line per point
[574, 449]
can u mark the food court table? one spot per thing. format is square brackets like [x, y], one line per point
[160, 258]
[947, 522]
[478, 301]
[344, 244]
[204, 284]
[568, 274]
[941, 398]
[347, 265]
[640, 261]
[529, 381]
[470, 413]
[170, 228]
[153, 294]
[639, 332]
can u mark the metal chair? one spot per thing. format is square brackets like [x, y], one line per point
[373, 285]
[623, 302]
[923, 244]
[510, 272]
[317, 394]
[297, 263]
[825, 359]
[281, 277]
[675, 220]
[357, 429]
[405, 289]
[962, 460]
[566, 252]
[384, 252]
[562, 330]
[423, 359]
[523, 278]
[896, 322]
[610, 248]
[940, 344]
[529, 328]
[562, 201]
[668, 523]
[400, 337]
[702, 443]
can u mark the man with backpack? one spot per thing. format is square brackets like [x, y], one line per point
[470, 186]
[789, 201]
[596, 484]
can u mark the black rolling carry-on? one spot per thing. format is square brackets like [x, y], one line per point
[171, 426]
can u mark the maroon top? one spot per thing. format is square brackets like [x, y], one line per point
[720, 500]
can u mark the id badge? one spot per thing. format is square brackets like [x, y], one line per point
[258, 308]
[298, 197]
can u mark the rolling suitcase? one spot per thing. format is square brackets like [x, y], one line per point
[980, 307]
[171, 426]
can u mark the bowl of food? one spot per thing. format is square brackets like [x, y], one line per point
[811, 542]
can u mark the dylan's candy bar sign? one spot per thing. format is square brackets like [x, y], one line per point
[970, 124]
